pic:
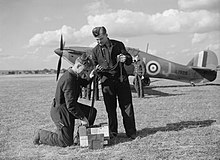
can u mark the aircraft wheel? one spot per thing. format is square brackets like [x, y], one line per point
[146, 81]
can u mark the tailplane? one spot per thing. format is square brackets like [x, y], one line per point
[204, 59]
[205, 63]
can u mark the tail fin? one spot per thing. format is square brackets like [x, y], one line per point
[204, 59]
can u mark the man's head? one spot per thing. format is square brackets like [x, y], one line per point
[136, 58]
[83, 65]
[100, 35]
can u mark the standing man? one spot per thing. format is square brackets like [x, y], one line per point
[139, 73]
[65, 108]
[109, 57]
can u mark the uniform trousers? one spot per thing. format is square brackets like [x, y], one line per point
[113, 89]
[65, 123]
[138, 86]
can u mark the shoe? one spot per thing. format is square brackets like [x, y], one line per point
[36, 140]
[113, 135]
[133, 136]
[76, 141]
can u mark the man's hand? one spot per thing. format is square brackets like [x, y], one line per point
[85, 122]
[92, 73]
[121, 58]
[99, 68]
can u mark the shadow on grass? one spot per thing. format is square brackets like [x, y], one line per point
[175, 127]
[122, 138]
[182, 85]
[158, 93]
[150, 91]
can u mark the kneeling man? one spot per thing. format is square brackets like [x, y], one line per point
[65, 108]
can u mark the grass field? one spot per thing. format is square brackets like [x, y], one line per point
[174, 121]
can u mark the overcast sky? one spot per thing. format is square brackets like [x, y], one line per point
[175, 29]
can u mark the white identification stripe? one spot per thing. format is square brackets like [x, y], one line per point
[200, 59]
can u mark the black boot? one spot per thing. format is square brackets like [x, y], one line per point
[36, 140]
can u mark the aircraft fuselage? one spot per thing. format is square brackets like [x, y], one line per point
[155, 66]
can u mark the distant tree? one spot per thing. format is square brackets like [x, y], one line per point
[52, 71]
[11, 72]
[46, 70]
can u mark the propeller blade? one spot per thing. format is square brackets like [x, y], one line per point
[61, 43]
[61, 54]
[58, 67]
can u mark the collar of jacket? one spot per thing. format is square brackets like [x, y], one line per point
[110, 43]
[72, 72]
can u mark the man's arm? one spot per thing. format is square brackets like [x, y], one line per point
[143, 68]
[128, 60]
[70, 95]
[85, 82]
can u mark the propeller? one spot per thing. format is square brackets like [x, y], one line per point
[60, 54]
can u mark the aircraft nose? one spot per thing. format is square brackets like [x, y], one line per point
[58, 52]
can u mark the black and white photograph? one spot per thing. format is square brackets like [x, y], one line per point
[109, 80]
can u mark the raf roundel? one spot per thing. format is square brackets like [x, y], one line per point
[153, 68]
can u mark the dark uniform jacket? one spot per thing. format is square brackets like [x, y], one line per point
[99, 57]
[67, 94]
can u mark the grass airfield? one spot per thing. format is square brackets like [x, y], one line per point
[174, 121]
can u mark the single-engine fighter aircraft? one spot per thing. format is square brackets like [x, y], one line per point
[201, 69]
